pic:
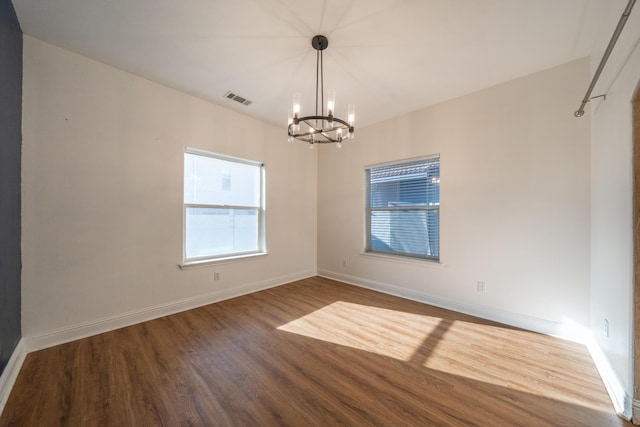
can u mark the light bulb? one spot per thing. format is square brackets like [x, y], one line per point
[351, 115]
[296, 105]
[338, 144]
[331, 103]
[290, 123]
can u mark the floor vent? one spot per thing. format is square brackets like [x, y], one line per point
[237, 98]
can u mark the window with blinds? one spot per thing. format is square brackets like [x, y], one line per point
[403, 208]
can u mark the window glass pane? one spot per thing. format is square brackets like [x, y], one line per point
[213, 232]
[412, 232]
[407, 184]
[208, 180]
[403, 208]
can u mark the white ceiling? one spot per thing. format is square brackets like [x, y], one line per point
[389, 57]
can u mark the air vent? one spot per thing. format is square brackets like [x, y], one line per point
[237, 98]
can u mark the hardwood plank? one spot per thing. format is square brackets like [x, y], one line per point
[312, 353]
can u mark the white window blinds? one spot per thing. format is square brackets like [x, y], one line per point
[403, 208]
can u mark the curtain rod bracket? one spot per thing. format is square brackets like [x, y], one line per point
[580, 112]
[614, 38]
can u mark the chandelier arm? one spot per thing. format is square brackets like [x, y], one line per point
[325, 118]
[307, 138]
[342, 122]
[310, 135]
[328, 138]
[306, 120]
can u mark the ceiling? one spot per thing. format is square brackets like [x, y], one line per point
[389, 57]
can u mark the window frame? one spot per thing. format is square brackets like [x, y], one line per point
[260, 210]
[368, 250]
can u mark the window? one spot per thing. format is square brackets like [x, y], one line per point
[223, 206]
[403, 208]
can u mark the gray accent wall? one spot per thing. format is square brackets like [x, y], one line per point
[10, 182]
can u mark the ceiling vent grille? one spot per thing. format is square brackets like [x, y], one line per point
[237, 98]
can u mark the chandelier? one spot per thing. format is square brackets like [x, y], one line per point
[320, 128]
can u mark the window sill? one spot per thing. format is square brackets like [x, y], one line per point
[208, 262]
[405, 260]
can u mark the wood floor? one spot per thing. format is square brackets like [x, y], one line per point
[312, 353]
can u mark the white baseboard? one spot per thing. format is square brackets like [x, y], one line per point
[10, 373]
[635, 410]
[530, 323]
[621, 400]
[110, 323]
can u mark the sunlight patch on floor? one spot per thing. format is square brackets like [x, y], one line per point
[510, 358]
[366, 328]
[519, 360]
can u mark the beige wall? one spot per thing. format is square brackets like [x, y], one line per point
[611, 200]
[514, 203]
[102, 194]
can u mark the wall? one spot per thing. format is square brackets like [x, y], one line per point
[514, 203]
[102, 197]
[10, 152]
[611, 194]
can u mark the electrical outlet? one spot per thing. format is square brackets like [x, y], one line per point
[344, 262]
[216, 276]
[606, 328]
[482, 287]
